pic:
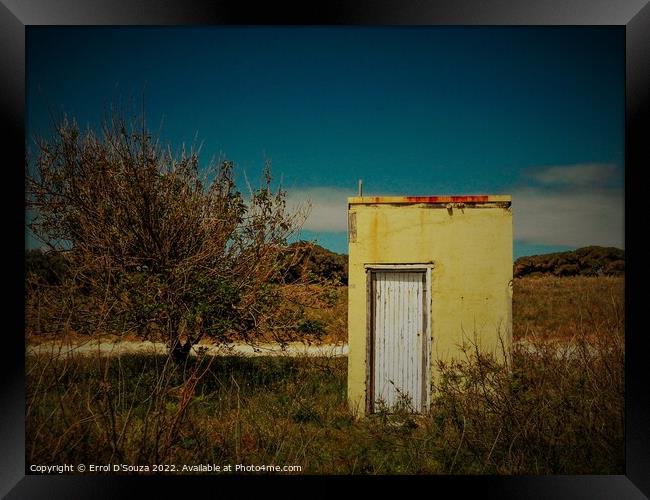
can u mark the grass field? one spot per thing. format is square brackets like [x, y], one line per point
[547, 413]
[560, 308]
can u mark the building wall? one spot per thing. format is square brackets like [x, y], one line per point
[471, 252]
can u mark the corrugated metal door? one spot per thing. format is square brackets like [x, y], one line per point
[398, 317]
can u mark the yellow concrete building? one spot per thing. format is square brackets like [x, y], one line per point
[426, 274]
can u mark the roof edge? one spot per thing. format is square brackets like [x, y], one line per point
[468, 199]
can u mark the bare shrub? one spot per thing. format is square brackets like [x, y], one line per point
[557, 408]
[158, 245]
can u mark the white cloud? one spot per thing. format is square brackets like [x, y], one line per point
[572, 205]
[329, 207]
[570, 219]
[561, 205]
[582, 175]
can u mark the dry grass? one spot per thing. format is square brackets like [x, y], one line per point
[559, 308]
[546, 415]
[551, 411]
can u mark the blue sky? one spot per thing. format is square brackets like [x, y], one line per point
[533, 112]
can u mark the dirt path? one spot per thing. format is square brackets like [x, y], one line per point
[95, 347]
[117, 348]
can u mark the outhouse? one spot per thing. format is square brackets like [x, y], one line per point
[427, 274]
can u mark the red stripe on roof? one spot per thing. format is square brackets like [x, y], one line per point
[447, 199]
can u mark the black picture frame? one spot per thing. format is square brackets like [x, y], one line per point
[15, 15]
